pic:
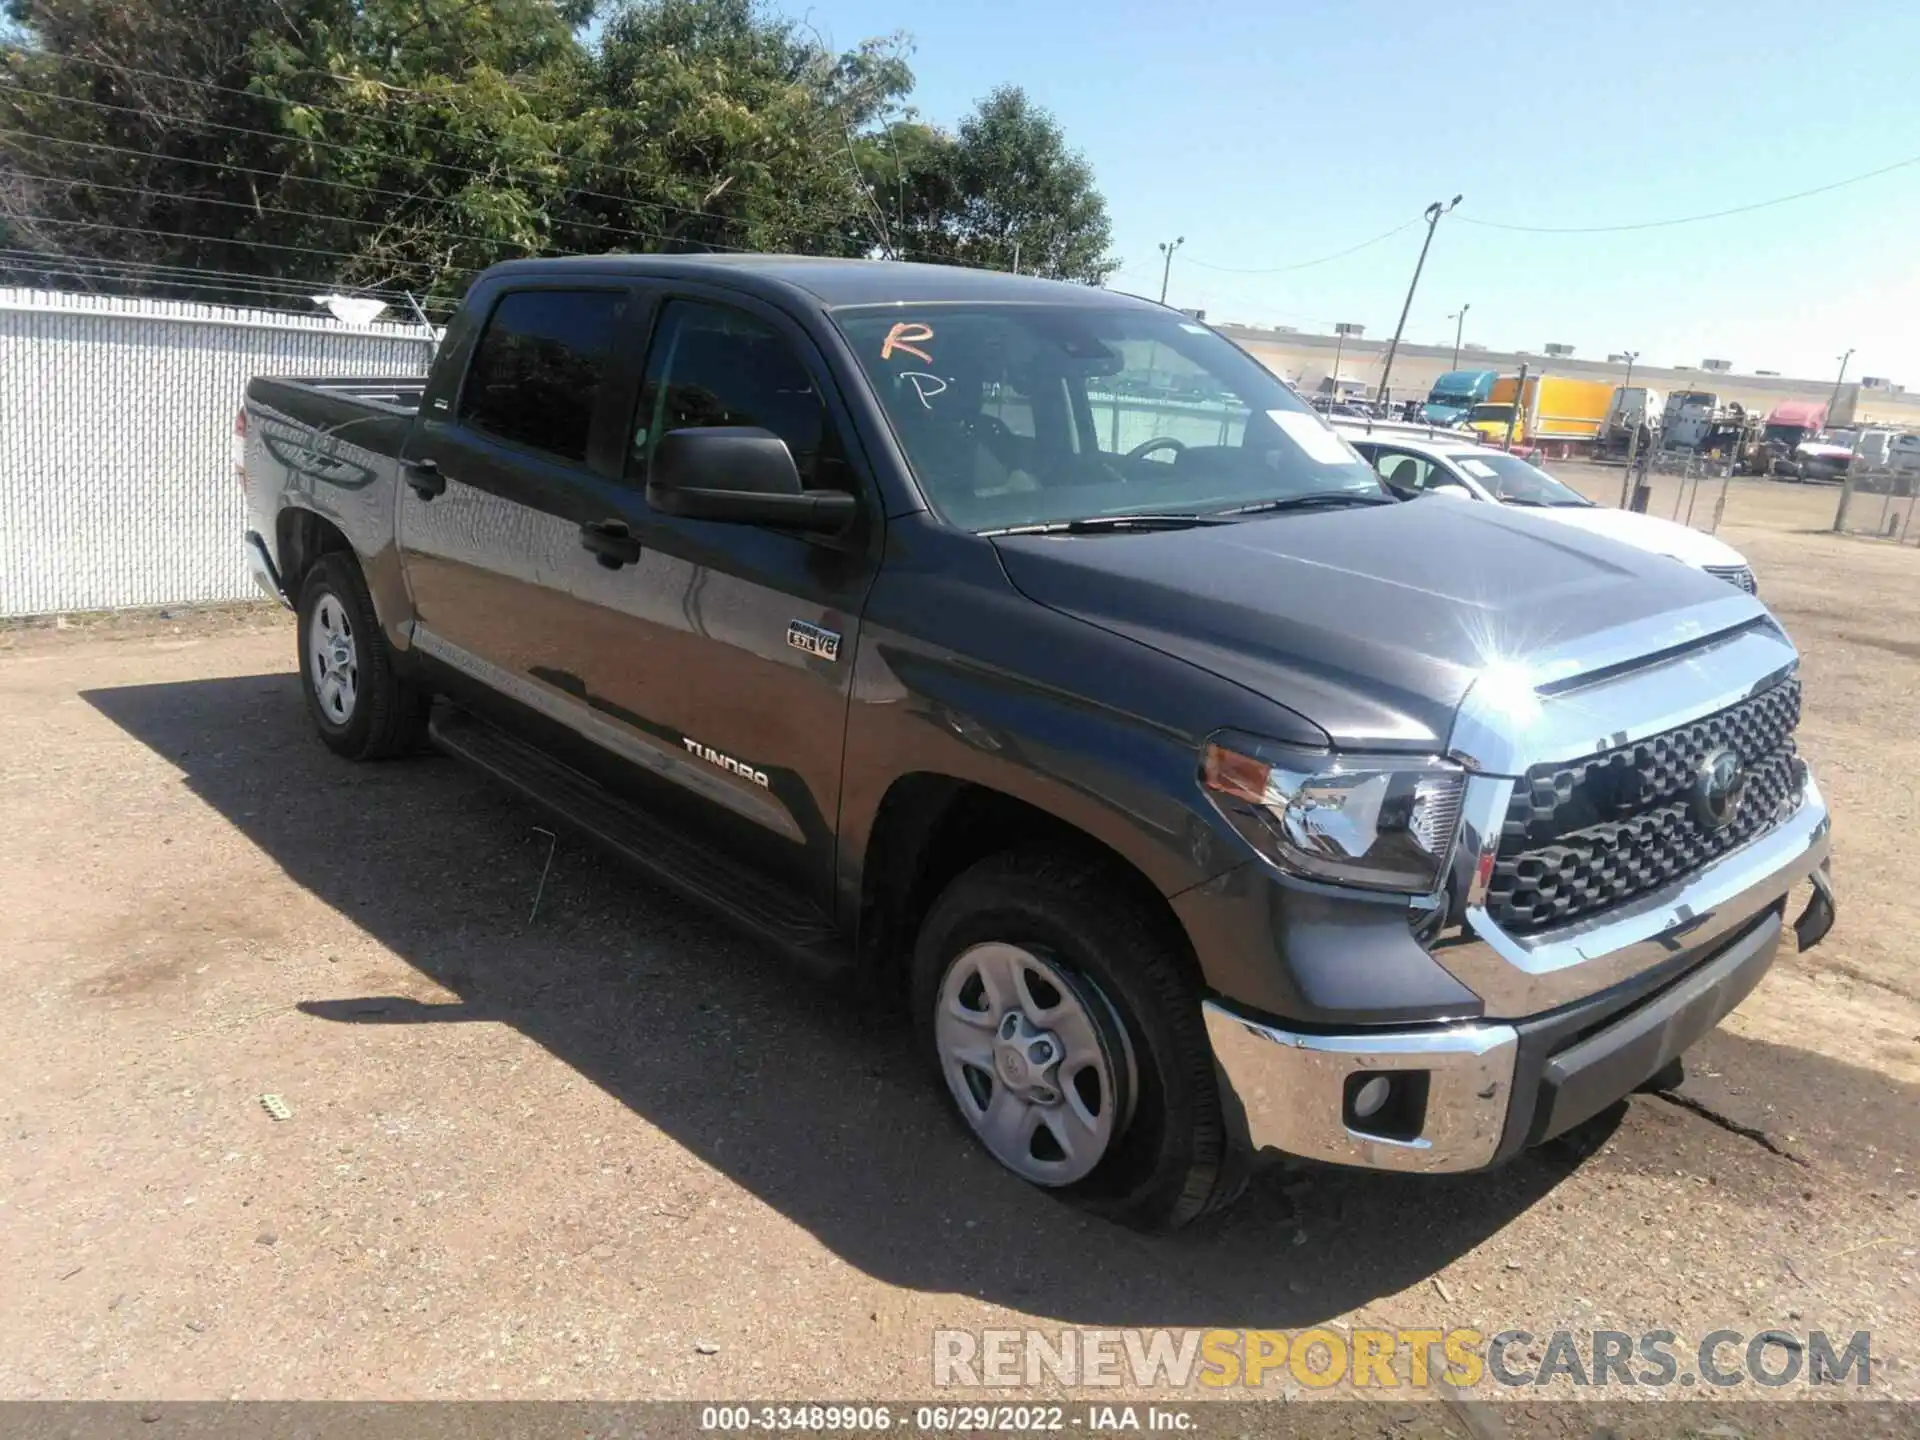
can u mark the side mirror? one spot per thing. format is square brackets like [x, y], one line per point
[742, 475]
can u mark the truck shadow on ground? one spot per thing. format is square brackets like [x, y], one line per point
[800, 1095]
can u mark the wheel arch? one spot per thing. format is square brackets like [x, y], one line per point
[930, 828]
[301, 537]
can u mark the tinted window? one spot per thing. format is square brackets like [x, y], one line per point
[714, 365]
[537, 371]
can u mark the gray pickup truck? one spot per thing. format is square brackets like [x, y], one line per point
[1030, 654]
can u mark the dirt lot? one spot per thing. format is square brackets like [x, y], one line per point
[610, 1150]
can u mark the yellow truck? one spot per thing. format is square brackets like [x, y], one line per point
[1557, 410]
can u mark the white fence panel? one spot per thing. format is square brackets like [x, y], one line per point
[116, 424]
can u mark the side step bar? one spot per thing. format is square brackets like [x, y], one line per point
[781, 918]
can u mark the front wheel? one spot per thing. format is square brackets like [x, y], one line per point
[1070, 1041]
[361, 707]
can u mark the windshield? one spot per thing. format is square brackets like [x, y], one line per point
[1785, 434]
[1016, 415]
[1513, 479]
[1457, 387]
[1500, 413]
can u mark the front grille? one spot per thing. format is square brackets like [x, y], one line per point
[1582, 837]
[1738, 575]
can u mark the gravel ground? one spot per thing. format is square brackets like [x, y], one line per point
[599, 1147]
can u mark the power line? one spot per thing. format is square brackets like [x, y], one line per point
[1306, 264]
[281, 177]
[257, 208]
[1694, 219]
[497, 145]
[216, 240]
[409, 127]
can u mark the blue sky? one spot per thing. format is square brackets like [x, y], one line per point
[1269, 132]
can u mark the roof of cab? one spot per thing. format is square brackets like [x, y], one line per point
[832, 282]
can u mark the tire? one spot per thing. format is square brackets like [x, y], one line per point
[370, 713]
[1169, 1158]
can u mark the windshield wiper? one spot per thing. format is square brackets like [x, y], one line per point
[1107, 524]
[1314, 501]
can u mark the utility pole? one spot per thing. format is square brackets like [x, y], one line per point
[1834, 403]
[1519, 398]
[1632, 355]
[1166, 268]
[1434, 212]
[1016, 257]
[1459, 324]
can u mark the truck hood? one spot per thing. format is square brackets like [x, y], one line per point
[1646, 532]
[1372, 623]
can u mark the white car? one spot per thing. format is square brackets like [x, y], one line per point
[1412, 463]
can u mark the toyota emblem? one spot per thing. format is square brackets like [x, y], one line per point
[1718, 788]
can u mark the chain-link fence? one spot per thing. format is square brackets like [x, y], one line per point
[1878, 500]
[1680, 485]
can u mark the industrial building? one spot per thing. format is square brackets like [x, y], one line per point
[1308, 362]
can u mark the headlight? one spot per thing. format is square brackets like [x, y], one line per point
[1379, 822]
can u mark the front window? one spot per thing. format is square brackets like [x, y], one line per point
[1016, 415]
[1515, 481]
[1494, 414]
[1788, 435]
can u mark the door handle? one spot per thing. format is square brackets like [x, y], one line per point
[424, 478]
[611, 542]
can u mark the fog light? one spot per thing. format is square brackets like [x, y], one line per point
[1368, 1099]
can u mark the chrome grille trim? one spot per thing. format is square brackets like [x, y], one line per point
[1739, 576]
[1582, 837]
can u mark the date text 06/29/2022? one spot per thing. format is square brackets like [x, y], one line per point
[947, 1419]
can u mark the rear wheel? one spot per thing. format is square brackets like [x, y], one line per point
[1070, 1041]
[361, 707]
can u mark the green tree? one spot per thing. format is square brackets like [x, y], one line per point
[409, 143]
[1005, 186]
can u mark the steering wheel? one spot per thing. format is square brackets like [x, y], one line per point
[1159, 442]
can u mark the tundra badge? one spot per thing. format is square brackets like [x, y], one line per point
[727, 762]
[812, 640]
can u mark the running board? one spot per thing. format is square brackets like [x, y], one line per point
[692, 867]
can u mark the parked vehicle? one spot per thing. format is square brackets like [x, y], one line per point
[1196, 796]
[1787, 425]
[1633, 420]
[1455, 393]
[1822, 458]
[1555, 409]
[1413, 465]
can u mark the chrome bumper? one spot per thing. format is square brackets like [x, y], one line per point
[260, 565]
[1294, 1088]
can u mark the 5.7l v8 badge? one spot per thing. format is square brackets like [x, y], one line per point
[812, 640]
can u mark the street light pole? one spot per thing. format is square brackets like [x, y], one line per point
[1166, 267]
[1459, 324]
[1834, 403]
[1434, 212]
[1632, 355]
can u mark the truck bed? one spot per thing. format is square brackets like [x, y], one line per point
[399, 394]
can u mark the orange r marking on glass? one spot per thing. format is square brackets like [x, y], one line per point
[902, 336]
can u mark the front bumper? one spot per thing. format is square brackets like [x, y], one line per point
[1468, 1095]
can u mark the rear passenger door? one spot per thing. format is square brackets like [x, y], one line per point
[502, 473]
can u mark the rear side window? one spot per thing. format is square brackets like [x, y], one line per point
[537, 371]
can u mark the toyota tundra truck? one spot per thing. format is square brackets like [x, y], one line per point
[1030, 657]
